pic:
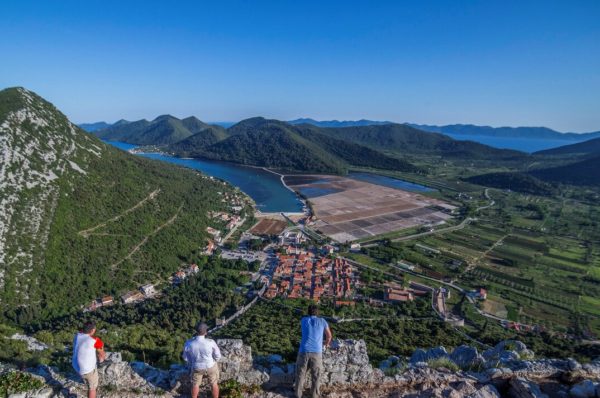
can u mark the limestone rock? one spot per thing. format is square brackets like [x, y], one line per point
[237, 363]
[45, 392]
[488, 391]
[522, 388]
[347, 373]
[573, 364]
[585, 389]
[507, 351]
[426, 355]
[466, 357]
[347, 362]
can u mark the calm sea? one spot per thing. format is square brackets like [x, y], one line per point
[528, 145]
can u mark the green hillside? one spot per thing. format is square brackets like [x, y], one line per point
[81, 218]
[276, 144]
[272, 144]
[195, 126]
[518, 182]
[540, 181]
[194, 145]
[586, 147]
[404, 139]
[163, 130]
[585, 172]
[355, 154]
[305, 147]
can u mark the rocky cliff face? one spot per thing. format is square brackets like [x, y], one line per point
[506, 370]
[38, 146]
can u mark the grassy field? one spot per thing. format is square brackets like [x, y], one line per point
[538, 257]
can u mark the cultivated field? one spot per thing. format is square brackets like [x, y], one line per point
[348, 209]
[268, 226]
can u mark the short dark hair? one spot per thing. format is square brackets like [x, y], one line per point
[313, 309]
[201, 328]
[88, 327]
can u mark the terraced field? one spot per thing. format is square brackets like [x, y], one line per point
[541, 267]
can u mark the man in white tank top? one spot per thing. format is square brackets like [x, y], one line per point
[85, 349]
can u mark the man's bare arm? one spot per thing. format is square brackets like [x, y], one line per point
[101, 354]
[328, 337]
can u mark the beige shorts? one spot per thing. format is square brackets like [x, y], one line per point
[91, 379]
[212, 373]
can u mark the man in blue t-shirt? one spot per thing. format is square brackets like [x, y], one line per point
[310, 355]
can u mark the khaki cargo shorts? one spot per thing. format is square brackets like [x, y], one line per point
[212, 373]
[91, 379]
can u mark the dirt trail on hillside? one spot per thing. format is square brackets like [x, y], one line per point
[143, 241]
[87, 232]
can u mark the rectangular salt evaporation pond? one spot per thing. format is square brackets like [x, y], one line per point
[311, 186]
[265, 188]
[390, 182]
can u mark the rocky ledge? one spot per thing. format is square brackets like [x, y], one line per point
[509, 369]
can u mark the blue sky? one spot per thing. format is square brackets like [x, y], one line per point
[437, 62]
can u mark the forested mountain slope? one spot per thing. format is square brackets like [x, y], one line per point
[583, 172]
[540, 181]
[276, 144]
[204, 135]
[81, 218]
[514, 181]
[542, 133]
[401, 138]
[587, 147]
[163, 130]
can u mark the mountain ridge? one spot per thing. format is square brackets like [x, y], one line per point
[586, 147]
[506, 132]
[403, 138]
[337, 123]
[465, 129]
[373, 146]
[272, 143]
[55, 182]
[162, 130]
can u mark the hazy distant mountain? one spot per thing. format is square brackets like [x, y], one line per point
[337, 123]
[506, 132]
[91, 127]
[80, 218]
[586, 147]
[163, 130]
[223, 124]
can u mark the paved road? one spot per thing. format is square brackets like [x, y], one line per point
[242, 221]
[492, 201]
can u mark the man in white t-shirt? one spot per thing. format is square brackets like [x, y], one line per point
[201, 355]
[85, 349]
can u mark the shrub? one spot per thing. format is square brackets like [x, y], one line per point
[233, 389]
[443, 362]
[13, 382]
